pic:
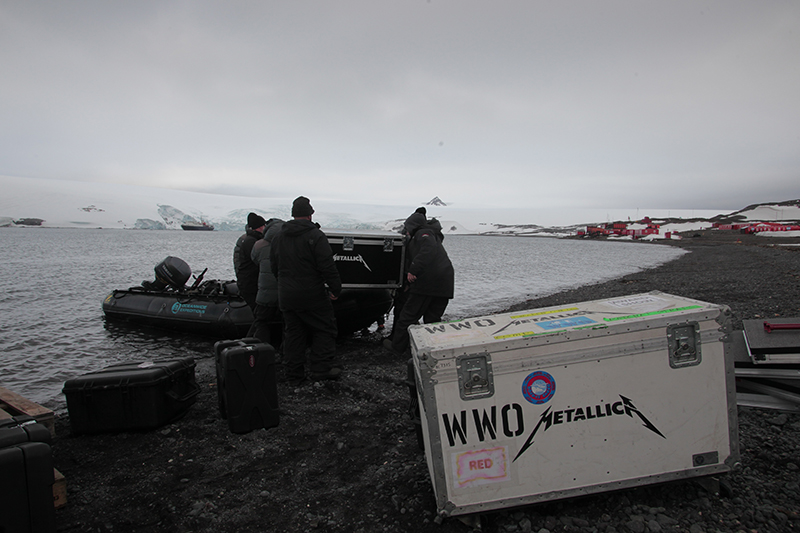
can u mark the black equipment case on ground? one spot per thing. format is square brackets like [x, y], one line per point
[773, 341]
[131, 396]
[26, 477]
[246, 384]
[368, 260]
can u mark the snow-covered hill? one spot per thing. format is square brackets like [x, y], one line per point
[74, 204]
[60, 203]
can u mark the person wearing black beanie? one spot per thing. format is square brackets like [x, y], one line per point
[301, 207]
[308, 280]
[246, 270]
[255, 221]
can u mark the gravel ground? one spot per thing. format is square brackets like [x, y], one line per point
[345, 458]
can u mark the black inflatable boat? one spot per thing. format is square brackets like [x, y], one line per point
[214, 308]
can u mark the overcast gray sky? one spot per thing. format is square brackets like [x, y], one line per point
[662, 104]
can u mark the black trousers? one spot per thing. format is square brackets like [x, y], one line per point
[267, 325]
[400, 298]
[428, 308]
[313, 328]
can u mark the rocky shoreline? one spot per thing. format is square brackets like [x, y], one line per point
[345, 457]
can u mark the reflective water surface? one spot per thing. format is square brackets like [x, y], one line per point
[53, 282]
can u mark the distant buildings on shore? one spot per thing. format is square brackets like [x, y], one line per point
[756, 227]
[621, 229]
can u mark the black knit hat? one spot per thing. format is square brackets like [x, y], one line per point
[301, 207]
[255, 221]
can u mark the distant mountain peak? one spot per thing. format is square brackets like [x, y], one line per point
[437, 201]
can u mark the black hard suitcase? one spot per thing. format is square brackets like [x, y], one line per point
[219, 346]
[132, 396]
[26, 477]
[22, 428]
[368, 259]
[773, 341]
[246, 384]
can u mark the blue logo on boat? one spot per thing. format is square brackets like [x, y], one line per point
[178, 307]
[539, 387]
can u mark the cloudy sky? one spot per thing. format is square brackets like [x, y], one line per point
[601, 103]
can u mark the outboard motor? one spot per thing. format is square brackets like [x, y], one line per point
[172, 272]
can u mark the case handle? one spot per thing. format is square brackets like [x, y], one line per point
[684, 344]
[769, 327]
[189, 395]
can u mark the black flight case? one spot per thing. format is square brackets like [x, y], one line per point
[26, 477]
[368, 259]
[131, 396]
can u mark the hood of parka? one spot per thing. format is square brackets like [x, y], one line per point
[299, 226]
[274, 226]
[433, 226]
[413, 223]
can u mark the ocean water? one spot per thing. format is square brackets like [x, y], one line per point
[53, 282]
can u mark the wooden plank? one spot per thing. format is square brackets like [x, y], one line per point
[59, 489]
[764, 401]
[22, 404]
[768, 373]
[13, 404]
[769, 390]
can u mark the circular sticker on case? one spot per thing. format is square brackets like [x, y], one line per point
[539, 387]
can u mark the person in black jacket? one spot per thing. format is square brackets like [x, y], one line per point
[401, 294]
[430, 277]
[268, 322]
[302, 260]
[246, 270]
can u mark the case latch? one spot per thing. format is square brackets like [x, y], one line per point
[348, 243]
[684, 344]
[475, 378]
[388, 244]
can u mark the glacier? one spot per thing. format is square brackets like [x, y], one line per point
[77, 204]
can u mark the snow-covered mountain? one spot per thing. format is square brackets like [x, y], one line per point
[65, 204]
[435, 201]
[74, 204]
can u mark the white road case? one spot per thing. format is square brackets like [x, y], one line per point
[557, 402]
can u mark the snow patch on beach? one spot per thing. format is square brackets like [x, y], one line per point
[771, 213]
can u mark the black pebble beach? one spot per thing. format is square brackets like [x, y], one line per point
[345, 458]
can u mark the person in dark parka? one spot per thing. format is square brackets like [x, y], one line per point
[268, 324]
[302, 260]
[401, 294]
[246, 270]
[430, 276]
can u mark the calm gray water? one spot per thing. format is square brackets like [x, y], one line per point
[53, 282]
